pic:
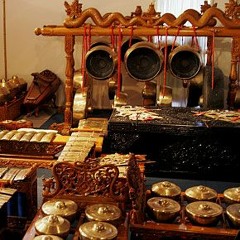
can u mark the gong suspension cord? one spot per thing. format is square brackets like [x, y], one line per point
[149, 38]
[176, 36]
[238, 74]
[112, 37]
[119, 61]
[158, 37]
[89, 37]
[194, 39]
[213, 47]
[5, 40]
[158, 41]
[87, 47]
[84, 49]
[165, 63]
[131, 37]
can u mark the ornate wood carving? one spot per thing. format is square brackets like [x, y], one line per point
[82, 181]
[69, 49]
[152, 18]
[26, 162]
[232, 10]
[74, 10]
[136, 191]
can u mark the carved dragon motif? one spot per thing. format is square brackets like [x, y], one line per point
[229, 19]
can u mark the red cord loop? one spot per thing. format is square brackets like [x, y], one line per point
[175, 39]
[131, 37]
[158, 42]
[84, 50]
[119, 61]
[112, 37]
[194, 39]
[213, 47]
[165, 64]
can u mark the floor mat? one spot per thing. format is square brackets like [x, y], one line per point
[55, 118]
[42, 117]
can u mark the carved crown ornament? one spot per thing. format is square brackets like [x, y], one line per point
[209, 15]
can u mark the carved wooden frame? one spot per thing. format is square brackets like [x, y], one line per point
[150, 23]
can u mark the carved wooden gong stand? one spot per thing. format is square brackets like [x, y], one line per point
[150, 23]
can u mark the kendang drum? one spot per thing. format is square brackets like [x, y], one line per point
[184, 62]
[143, 61]
[101, 61]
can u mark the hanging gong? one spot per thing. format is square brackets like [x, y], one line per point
[101, 62]
[143, 61]
[184, 62]
[99, 42]
[127, 43]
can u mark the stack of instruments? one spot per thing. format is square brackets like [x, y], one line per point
[14, 174]
[6, 195]
[79, 146]
[85, 141]
[28, 141]
[15, 200]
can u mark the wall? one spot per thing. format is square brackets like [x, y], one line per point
[28, 53]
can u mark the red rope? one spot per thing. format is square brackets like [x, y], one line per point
[89, 37]
[194, 39]
[165, 64]
[112, 37]
[84, 48]
[87, 47]
[131, 37]
[158, 42]
[238, 71]
[119, 61]
[175, 39]
[213, 47]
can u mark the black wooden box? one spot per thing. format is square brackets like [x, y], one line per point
[181, 142]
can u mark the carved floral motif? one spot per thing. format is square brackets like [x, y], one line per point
[84, 179]
[232, 9]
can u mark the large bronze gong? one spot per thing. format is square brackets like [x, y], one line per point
[184, 62]
[143, 61]
[101, 62]
[127, 43]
